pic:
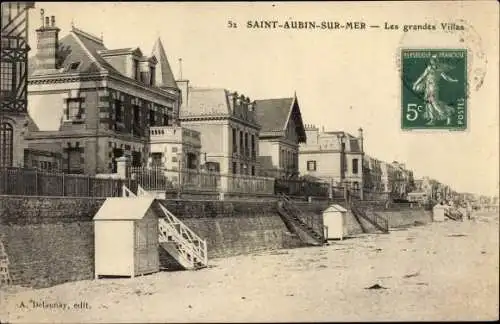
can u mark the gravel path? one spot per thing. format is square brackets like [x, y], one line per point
[441, 271]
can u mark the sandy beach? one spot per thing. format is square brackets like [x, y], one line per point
[440, 271]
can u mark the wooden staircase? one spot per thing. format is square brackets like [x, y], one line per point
[183, 245]
[453, 214]
[372, 217]
[298, 223]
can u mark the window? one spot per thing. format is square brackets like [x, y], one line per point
[136, 69]
[152, 75]
[156, 159]
[253, 170]
[254, 154]
[247, 152]
[235, 166]
[136, 159]
[174, 159]
[174, 149]
[7, 78]
[74, 109]
[118, 111]
[136, 120]
[241, 143]
[311, 165]
[151, 117]
[117, 152]
[354, 166]
[235, 140]
[74, 160]
[73, 66]
[191, 161]
[165, 120]
[137, 115]
[6, 144]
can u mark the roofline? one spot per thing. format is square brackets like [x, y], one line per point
[85, 49]
[130, 81]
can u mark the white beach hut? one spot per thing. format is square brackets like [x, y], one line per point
[126, 237]
[333, 219]
[438, 213]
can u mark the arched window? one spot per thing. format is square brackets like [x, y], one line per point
[6, 144]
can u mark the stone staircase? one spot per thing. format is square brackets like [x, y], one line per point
[184, 248]
[367, 214]
[298, 222]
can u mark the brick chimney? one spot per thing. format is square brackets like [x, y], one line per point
[183, 85]
[47, 43]
[360, 138]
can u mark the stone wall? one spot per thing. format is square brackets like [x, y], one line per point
[238, 227]
[48, 240]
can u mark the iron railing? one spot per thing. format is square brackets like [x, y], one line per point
[31, 182]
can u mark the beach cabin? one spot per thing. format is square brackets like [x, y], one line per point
[333, 220]
[438, 212]
[126, 237]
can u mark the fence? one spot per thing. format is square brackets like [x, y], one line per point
[31, 182]
[161, 179]
[305, 188]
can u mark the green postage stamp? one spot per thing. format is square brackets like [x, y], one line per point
[434, 89]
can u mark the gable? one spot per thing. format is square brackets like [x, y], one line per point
[295, 122]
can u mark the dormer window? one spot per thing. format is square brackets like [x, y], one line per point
[152, 75]
[74, 66]
[136, 69]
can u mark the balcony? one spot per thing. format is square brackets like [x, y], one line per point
[161, 134]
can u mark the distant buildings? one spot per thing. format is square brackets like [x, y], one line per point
[333, 156]
[281, 133]
[372, 174]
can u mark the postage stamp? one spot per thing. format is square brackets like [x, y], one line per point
[434, 89]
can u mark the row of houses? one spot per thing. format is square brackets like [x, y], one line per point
[87, 105]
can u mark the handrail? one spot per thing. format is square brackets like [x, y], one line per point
[375, 219]
[305, 218]
[186, 236]
[126, 192]
[182, 246]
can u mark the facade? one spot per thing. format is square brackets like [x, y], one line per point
[92, 104]
[372, 174]
[13, 72]
[333, 156]
[174, 148]
[282, 132]
[227, 125]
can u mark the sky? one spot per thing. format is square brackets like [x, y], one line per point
[344, 79]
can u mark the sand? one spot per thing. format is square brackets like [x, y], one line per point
[440, 271]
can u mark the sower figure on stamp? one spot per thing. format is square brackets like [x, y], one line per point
[428, 83]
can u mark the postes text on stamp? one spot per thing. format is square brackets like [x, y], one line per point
[434, 89]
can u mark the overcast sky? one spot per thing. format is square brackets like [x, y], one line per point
[343, 79]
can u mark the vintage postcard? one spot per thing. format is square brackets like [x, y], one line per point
[249, 161]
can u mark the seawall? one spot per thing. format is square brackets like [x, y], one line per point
[50, 240]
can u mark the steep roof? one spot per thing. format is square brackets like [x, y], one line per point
[274, 114]
[164, 75]
[206, 101]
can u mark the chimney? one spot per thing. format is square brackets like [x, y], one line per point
[360, 138]
[47, 43]
[183, 85]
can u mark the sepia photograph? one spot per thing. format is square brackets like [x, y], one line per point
[244, 161]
